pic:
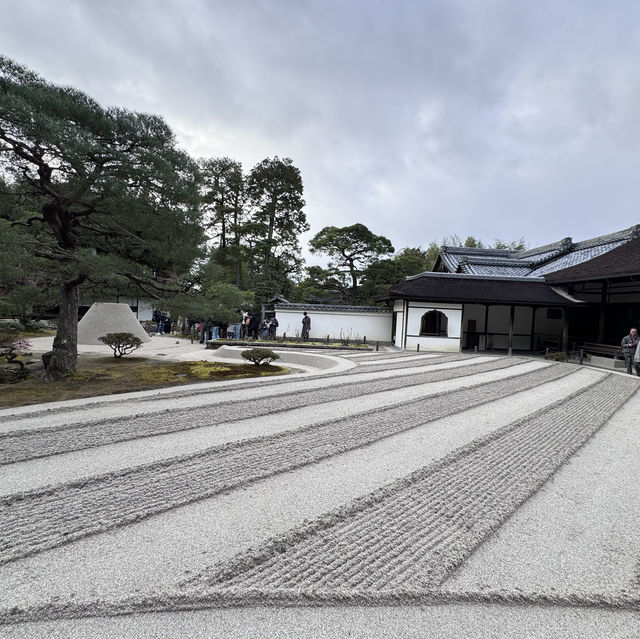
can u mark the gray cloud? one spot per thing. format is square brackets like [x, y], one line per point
[420, 119]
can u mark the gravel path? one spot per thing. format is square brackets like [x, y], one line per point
[200, 395]
[79, 465]
[411, 536]
[76, 510]
[30, 444]
[582, 528]
[160, 551]
[393, 499]
[406, 622]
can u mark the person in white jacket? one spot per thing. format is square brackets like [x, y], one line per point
[636, 359]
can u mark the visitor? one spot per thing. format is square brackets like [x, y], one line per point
[159, 319]
[306, 326]
[629, 346]
[636, 359]
[254, 326]
[246, 320]
[273, 327]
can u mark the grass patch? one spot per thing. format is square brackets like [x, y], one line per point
[108, 376]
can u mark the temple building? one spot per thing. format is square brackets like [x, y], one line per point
[557, 296]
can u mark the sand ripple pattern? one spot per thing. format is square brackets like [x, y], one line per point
[410, 536]
[22, 445]
[212, 389]
[75, 510]
[413, 363]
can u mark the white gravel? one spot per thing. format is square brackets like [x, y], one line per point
[79, 411]
[85, 463]
[577, 535]
[158, 552]
[429, 622]
[580, 532]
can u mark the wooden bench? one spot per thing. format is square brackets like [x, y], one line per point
[602, 349]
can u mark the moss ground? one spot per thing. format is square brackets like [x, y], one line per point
[107, 376]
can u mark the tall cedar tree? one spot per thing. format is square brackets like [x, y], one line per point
[274, 189]
[223, 206]
[113, 197]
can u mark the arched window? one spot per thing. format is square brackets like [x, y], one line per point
[434, 323]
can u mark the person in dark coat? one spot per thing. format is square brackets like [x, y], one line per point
[306, 326]
[273, 327]
[254, 326]
[629, 345]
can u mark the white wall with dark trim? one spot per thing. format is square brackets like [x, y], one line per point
[375, 326]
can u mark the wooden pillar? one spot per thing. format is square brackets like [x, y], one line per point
[603, 305]
[532, 341]
[512, 311]
[486, 324]
[405, 323]
[565, 331]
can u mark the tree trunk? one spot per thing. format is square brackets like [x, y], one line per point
[354, 281]
[273, 206]
[62, 362]
[236, 240]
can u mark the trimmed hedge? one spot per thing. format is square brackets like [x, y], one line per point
[121, 343]
[260, 356]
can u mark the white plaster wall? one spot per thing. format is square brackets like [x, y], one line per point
[522, 319]
[547, 326]
[399, 329]
[451, 343]
[373, 326]
[398, 307]
[474, 312]
[417, 310]
[445, 344]
[498, 322]
[145, 308]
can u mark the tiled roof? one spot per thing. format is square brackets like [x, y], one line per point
[451, 256]
[547, 250]
[336, 308]
[494, 269]
[455, 287]
[493, 266]
[621, 261]
[535, 262]
[575, 257]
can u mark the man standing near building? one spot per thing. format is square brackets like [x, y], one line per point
[629, 345]
[306, 326]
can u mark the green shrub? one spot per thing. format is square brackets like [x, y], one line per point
[260, 356]
[556, 357]
[121, 343]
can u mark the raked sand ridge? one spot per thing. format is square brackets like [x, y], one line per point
[447, 496]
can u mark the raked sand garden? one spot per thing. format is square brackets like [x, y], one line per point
[404, 495]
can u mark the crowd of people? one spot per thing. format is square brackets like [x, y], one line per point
[253, 328]
[249, 326]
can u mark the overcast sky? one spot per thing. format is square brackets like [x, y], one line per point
[420, 119]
